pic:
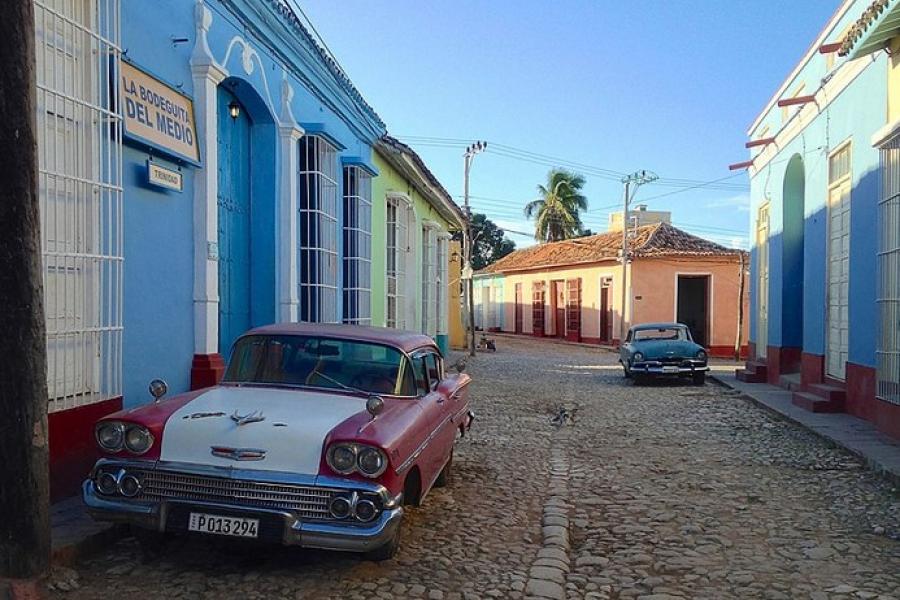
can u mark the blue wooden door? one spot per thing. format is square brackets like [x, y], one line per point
[234, 222]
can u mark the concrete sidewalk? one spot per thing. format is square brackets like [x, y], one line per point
[880, 452]
[74, 534]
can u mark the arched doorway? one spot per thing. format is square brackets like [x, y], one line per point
[245, 211]
[793, 200]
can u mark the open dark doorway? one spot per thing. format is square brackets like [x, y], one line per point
[606, 310]
[693, 306]
[519, 307]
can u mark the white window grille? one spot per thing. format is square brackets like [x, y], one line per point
[443, 245]
[80, 184]
[357, 246]
[888, 299]
[396, 263]
[317, 230]
[429, 281]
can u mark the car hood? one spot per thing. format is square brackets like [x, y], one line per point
[652, 349]
[288, 426]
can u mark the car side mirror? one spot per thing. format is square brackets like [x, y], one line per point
[374, 405]
[158, 389]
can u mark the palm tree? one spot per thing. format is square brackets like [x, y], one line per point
[557, 211]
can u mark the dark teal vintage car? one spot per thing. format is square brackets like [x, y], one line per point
[662, 350]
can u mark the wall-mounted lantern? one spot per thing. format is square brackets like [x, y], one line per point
[234, 109]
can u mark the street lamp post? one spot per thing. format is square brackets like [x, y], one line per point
[632, 183]
[468, 243]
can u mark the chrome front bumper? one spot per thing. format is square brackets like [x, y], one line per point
[285, 527]
[655, 368]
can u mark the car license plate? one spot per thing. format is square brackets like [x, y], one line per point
[670, 369]
[218, 525]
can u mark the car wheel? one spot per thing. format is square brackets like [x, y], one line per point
[699, 378]
[627, 371]
[638, 379]
[387, 551]
[444, 477]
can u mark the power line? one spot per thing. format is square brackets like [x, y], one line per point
[545, 159]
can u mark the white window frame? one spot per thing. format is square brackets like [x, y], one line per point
[317, 230]
[888, 293]
[397, 229]
[429, 279]
[357, 246]
[78, 53]
[442, 290]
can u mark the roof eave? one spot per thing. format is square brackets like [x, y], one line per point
[874, 29]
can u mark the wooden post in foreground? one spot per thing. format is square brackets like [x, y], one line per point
[24, 480]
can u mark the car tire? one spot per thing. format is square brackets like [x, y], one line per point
[638, 379]
[152, 544]
[446, 474]
[387, 551]
[626, 370]
[699, 378]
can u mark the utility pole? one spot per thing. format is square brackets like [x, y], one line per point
[632, 183]
[469, 242]
[24, 485]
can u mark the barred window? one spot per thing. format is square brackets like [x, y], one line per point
[888, 351]
[429, 281]
[317, 230]
[80, 184]
[396, 263]
[357, 246]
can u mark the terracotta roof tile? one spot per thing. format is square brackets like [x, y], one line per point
[659, 239]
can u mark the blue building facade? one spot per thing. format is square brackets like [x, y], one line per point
[194, 183]
[254, 235]
[816, 184]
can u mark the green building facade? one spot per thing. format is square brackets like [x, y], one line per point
[413, 218]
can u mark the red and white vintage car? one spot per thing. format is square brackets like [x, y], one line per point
[316, 436]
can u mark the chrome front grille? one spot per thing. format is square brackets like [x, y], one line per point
[305, 501]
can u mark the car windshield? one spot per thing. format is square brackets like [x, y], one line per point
[320, 362]
[661, 333]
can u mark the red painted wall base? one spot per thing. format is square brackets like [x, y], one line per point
[72, 447]
[727, 352]
[573, 336]
[863, 402]
[781, 360]
[206, 370]
[812, 368]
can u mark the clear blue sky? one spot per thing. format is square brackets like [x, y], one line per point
[670, 86]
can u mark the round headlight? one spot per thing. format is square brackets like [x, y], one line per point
[129, 486]
[339, 507]
[110, 436]
[371, 462]
[638, 357]
[701, 355]
[366, 510]
[342, 459]
[138, 439]
[107, 483]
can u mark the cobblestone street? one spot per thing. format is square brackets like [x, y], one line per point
[661, 491]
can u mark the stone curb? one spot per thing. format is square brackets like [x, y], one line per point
[69, 553]
[873, 464]
[547, 576]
